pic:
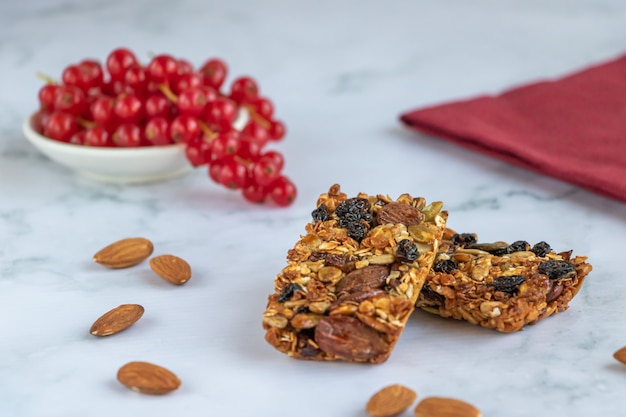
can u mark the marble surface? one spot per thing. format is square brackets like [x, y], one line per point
[340, 73]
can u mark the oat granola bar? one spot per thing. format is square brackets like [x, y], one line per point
[352, 279]
[500, 286]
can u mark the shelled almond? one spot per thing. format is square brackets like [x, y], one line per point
[171, 268]
[148, 378]
[124, 253]
[116, 320]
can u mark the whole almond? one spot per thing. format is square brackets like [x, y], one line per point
[445, 407]
[390, 401]
[171, 268]
[620, 355]
[116, 320]
[124, 253]
[147, 378]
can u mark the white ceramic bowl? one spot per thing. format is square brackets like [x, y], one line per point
[117, 165]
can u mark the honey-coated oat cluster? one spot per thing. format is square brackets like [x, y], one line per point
[366, 262]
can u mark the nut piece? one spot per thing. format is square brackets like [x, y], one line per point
[348, 338]
[124, 253]
[116, 320]
[445, 407]
[620, 355]
[147, 378]
[390, 401]
[399, 213]
[171, 268]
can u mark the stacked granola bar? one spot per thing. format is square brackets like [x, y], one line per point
[365, 263]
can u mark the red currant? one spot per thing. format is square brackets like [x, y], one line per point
[47, 96]
[184, 66]
[243, 89]
[158, 106]
[186, 81]
[254, 193]
[71, 76]
[224, 144]
[39, 121]
[277, 157]
[221, 113]
[162, 69]
[127, 135]
[265, 170]
[256, 131]
[78, 138]
[214, 72]
[70, 99]
[128, 108]
[282, 191]
[249, 148]
[192, 102]
[261, 106]
[91, 74]
[185, 129]
[277, 130]
[136, 79]
[61, 126]
[118, 61]
[157, 131]
[197, 152]
[233, 172]
[102, 111]
[97, 136]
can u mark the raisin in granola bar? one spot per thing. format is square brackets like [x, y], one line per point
[500, 286]
[352, 280]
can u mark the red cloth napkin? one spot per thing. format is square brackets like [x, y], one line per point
[573, 128]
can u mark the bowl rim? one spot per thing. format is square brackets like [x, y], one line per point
[33, 135]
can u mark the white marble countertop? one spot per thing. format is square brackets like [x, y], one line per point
[340, 73]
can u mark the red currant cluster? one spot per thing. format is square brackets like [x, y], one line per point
[126, 104]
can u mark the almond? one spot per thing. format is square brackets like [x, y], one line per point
[620, 355]
[124, 253]
[171, 268]
[445, 407]
[147, 378]
[390, 401]
[116, 320]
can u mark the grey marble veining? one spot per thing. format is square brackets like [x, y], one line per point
[339, 73]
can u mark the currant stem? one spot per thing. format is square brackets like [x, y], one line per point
[167, 92]
[207, 130]
[46, 78]
[85, 123]
[258, 118]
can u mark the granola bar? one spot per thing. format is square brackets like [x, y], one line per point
[500, 286]
[352, 280]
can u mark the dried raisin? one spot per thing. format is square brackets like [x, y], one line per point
[541, 249]
[429, 294]
[406, 250]
[518, 246]
[354, 215]
[446, 266]
[508, 284]
[462, 239]
[557, 269]
[288, 292]
[320, 214]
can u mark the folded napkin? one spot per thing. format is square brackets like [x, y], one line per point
[573, 128]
